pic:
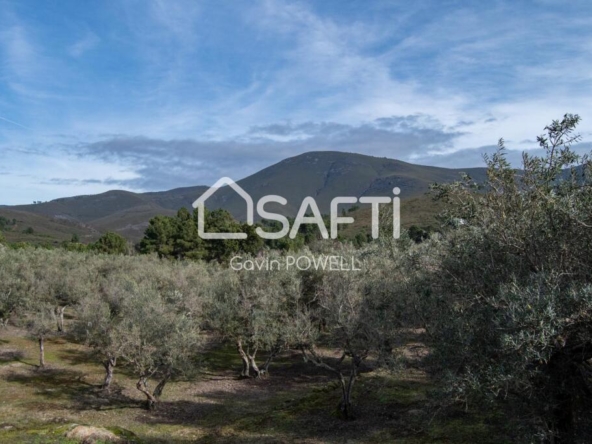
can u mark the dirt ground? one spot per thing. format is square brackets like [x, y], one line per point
[296, 403]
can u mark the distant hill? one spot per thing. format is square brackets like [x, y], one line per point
[322, 175]
[44, 229]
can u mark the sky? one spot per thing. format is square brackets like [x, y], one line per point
[148, 95]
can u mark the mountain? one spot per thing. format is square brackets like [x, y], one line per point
[322, 175]
[327, 174]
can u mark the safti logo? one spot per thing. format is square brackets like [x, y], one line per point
[308, 206]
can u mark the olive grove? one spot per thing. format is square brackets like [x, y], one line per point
[502, 299]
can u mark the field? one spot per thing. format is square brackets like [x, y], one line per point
[295, 403]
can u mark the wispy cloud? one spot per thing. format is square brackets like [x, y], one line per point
[85, 44]
[12, 122]
[19, 52]
[164, 164]
[159, 164]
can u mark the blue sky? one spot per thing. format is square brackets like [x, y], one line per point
[156, 94]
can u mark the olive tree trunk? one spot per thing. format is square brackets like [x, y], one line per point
[109, 368]
[254, 367]
[272, 355]
[142, 385]
[41, 351]
[249, 362]
[245, 358]
[253, 363]
[59, 313]
[160, 387]
[345, 383]
[152, 398]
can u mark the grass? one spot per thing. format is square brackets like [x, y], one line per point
[296, 403]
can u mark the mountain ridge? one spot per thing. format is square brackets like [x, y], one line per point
[320, 174]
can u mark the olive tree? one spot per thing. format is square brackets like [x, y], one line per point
[358, 312]
[41, 325]
[97, 317]
[251, 307]
[24, 289]
[64, 278]
[156, 339]
[181, 288]
[16, 278]
[36, 277]
[508, 296]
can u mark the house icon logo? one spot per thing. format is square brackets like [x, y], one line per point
[199, 204]
[308, 206]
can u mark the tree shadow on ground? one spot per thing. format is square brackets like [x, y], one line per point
[84, 358]
[78, 357]
[299, 403]
[59, 384]
[7, 356]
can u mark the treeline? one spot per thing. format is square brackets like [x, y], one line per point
[503, 297]
[177, 237]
